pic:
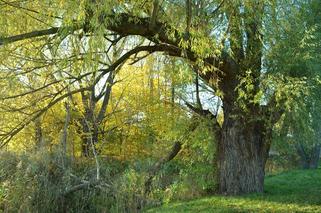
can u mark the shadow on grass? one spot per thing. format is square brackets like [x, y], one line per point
[295, 191]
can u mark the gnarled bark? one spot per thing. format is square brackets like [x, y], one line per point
[241, 157]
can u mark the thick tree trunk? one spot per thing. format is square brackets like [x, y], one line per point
[241, 156]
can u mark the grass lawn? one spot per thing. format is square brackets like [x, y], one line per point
[295, 191]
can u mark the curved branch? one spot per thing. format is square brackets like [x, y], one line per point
[125, 25]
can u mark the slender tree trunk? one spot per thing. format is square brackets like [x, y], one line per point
[85, 141]
[309, 160]
[87, 132]
[90, 135]
[314, 162]
[64, 136]
[38, 134]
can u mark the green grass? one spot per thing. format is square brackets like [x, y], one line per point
[295, 191]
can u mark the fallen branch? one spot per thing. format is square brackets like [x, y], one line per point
[84, 185]
[176, 148]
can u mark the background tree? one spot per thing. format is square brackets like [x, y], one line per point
[296, 54]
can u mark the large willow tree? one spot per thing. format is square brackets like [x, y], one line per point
[224, 40]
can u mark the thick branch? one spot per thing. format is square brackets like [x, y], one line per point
[176, 148]
[201, 112]
[33, 34]
[205, 113]
[104, 105]
[125, 24]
